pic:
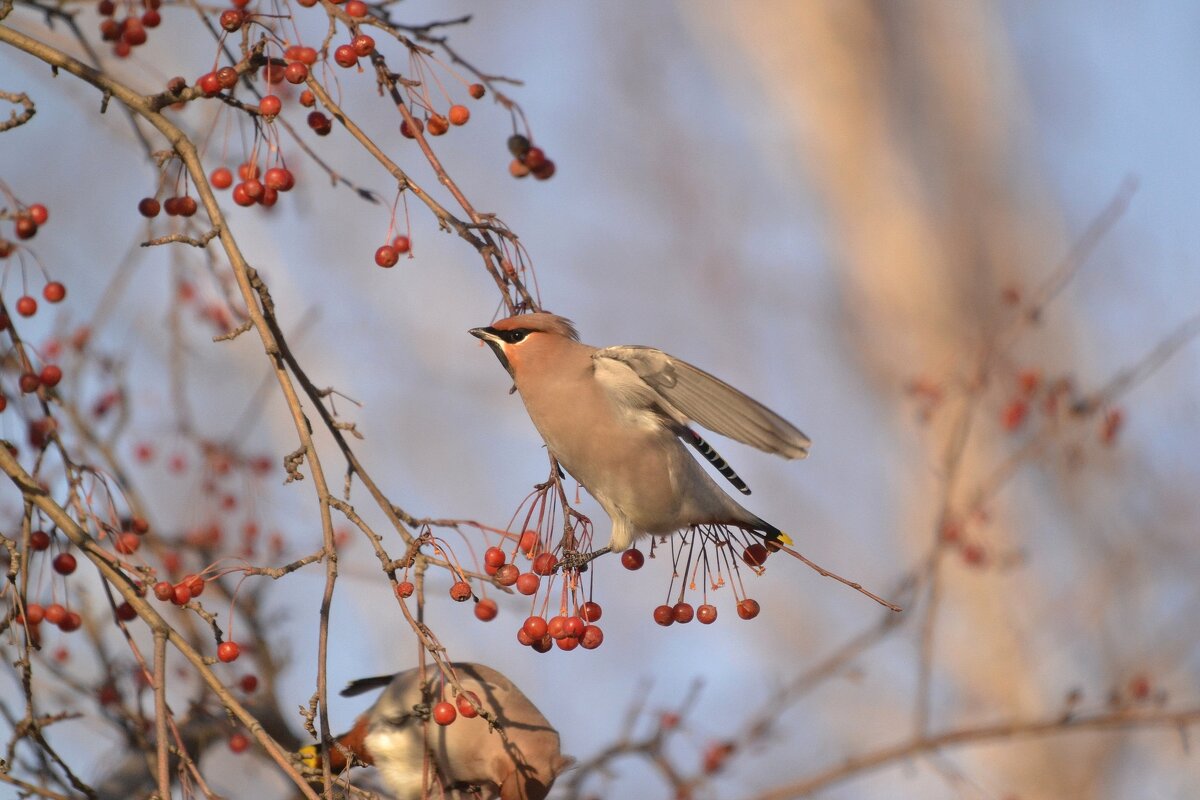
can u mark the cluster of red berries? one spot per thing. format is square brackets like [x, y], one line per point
[181, 206]
[180, 593]
[387, 255]
[129, 541]
[27, 305]
[251, 188]
[445, 712]
[25, 224]
[55, 613]
[528, 159]
[130, 31]
[754, 555]
[565, 631]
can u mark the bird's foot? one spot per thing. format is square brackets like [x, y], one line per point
[573, 559]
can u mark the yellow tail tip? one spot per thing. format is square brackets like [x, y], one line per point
[783, 537]
[310, 756]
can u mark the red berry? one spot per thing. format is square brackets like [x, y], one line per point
[444, 713]
[126, 612]
[1014, 415]
[26, 306]
[748, 609]
[71, 622]
[527, 583]
[494, 557]
[476, 90]
[295, 73]
[307, 55]
[664, 615]
[556, 628]
[148, 207]
[232, 19]
[227, 77]
[345, 56]
[195, 584]
[459, 115]
[54, 292]
[386, 256]
[181, 595]
[632, 559]
[29, 382]
[507, 575]
[486, 610]
[164, 591]
[438, 125]
[171, 206]
[253, 188]
[464, 700]
[575, 627]
[240, 197]
[228, 651]
[238, 743]
[307, 100]
[3, 402]
[534, 157]
[356, 8]
[279, 179]
[542, 645]
[38, 213]
[320, 123]
[402, 244]
[248, 683]
[186, 206]
[707, 614]
[363, 44]
[151, 18]
[55, 614]
[247, 170]
[127, 543]
[51, 375]
[755, 555]
[269, 197]
[683, 612]
[64, 563]
[535, 627]
[460, 591]
[221, 178]
[269, 106]
[545, 172]
[545, 563]
[592, 638]
[411, 131]
[591, 612]
[34, 613]
[567, 643]
[527, 543]
[405, 589]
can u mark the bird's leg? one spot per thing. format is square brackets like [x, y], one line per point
[573, 559]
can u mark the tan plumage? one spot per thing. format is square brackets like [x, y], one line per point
[614, 419]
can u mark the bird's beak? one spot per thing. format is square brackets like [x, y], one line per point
[493, 341]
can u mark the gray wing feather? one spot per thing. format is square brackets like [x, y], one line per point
[710, 402]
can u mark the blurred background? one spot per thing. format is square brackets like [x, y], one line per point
[845, 208]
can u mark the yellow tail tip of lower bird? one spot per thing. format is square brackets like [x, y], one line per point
[783, 537]
[310, 756]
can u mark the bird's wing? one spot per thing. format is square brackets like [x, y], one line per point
[709, 401]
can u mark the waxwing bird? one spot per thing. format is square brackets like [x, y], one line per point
[518, 760]
[617, 418]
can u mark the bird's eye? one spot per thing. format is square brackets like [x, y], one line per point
[514, 337]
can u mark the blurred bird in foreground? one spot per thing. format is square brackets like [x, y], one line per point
[518, 760]
[616, 418]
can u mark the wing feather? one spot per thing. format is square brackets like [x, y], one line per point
[709, 401]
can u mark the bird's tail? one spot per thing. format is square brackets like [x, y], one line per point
[772, 534]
